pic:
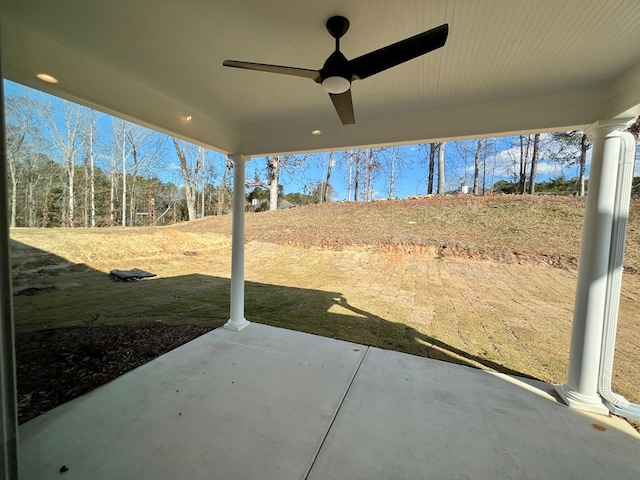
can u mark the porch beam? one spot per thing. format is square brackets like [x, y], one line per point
[237, 321]
[581, 389]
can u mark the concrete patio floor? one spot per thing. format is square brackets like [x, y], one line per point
[269, 403]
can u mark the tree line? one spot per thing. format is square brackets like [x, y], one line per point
[71, 166]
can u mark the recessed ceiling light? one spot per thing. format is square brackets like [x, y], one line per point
[188, 118]
[45, 77]
[316, 132]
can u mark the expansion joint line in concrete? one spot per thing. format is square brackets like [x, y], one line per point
[335, 414]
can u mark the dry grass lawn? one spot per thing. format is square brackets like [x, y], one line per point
[488, 282]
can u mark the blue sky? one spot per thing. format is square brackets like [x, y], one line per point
[412, 177]
[411, 166]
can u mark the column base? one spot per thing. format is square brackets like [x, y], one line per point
[236, 326]
[578, 401]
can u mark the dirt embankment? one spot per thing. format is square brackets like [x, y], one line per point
[514, 229]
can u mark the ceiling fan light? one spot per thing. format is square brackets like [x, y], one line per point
[336, 85]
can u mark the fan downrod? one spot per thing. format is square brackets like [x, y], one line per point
[337, 26]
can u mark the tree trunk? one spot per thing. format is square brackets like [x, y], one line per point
[92, 176]
[432, 163]
[31, 203]
[14, 192]
[521, 173]
[356, 177]
[112, 197]
[132, 183]
[124, 177]
[325, 187]
[441, 168]
[484, 167]
[476, 169]
[189, 189]
[583, 162]
[534, 164]
[525, 143]
[71, 177]
[14, 142]
[367, 177]
[223, 188]
[68, 141]
[133, 200]
[350, 183]
[273, 166]
[203, 154]
[45, 204]
[85, 207]
[203, 170]
[392, 173]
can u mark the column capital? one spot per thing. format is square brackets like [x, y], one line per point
[602, 128]
[236, 157]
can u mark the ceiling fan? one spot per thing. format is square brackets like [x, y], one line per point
[337, 73]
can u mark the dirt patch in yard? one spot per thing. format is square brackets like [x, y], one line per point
[58, 365]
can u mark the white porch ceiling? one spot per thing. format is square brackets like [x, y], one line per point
[508, 66]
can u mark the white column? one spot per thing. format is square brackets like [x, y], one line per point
[580, 391]
[237, 320]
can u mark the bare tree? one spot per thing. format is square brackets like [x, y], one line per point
[273, 167]
[19, 121]
[113, 191]
[276, 167]
[441, 147]
[534, 164]
[476, 168]
[372, 167]
[33, 175]
[525, 144]
[203, 170]
[355, 161]
[350, 177]
[354, 179]
[190, 158]
[222, 189]
[395, 162]
[432, 161]
[120, 140]
[584, 146]
[145, 147]
[324, 197]
[65, 120]
[139, 152]
[90, 155]
[171, 199]
[272, 183]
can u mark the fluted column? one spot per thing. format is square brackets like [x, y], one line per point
[581, 389]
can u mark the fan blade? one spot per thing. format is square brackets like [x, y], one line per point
[399, 52]
[263, 67]
[344, 107]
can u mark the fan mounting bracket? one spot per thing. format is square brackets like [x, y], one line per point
[337, 26]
